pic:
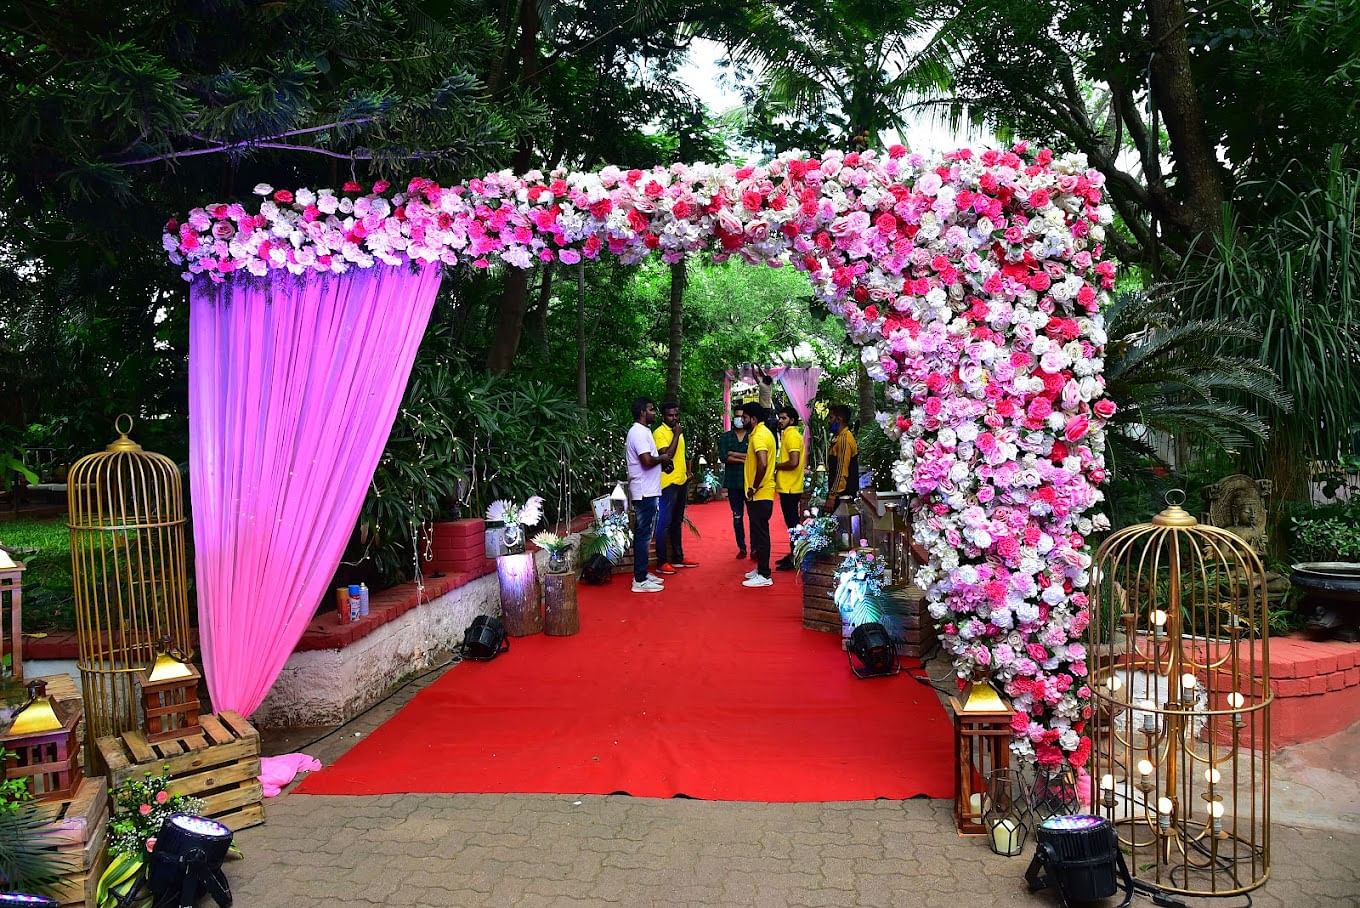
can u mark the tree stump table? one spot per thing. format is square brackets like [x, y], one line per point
[521, 608]
[561, 618]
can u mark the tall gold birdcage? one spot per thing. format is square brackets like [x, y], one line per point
[1180, 671]
[126, 509]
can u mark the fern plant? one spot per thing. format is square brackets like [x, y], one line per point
[29, 859]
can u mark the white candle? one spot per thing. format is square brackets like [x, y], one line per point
[1235, 701]
[975, 805]
[1004, 839]
[1164, 808]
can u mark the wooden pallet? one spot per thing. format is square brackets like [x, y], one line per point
[221, 766]
[819, 582]
[77, 829]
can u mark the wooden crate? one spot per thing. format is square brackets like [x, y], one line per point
[819, 612]
[221, 766]
[78, 828]
[918, 628]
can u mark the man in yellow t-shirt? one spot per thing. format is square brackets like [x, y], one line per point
[760, 491]
[670, 553]
[788, 475]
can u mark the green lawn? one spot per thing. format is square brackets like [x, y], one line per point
[45, 548]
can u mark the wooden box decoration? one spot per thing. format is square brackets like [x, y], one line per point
[12, 603]
[43, 747]
[170, 696]
[819, 611]
[982, 745]
[220, 765]
[75, 831]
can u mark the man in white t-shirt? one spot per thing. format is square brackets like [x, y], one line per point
[644, 483]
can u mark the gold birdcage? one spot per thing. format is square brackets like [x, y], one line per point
[126, 509]
[1180, 670]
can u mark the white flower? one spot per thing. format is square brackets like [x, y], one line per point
[263, 189]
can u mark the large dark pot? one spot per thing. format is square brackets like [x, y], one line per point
[1334, 587]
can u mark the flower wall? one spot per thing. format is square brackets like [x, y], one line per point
[973, 285]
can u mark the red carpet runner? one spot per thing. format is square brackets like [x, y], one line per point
[708, 689]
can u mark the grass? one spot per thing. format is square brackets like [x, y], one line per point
[45, 548]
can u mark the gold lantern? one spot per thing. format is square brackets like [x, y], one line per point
[170, 696]
[982, 748]
[1180, 672]
[126, 510]
[41, 746]
[12, 602]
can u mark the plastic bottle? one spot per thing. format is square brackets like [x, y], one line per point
[355, 602]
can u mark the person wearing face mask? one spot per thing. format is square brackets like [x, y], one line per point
[842, 460]
[732, 455]
[674, 486]
[788, 474]
[645, 461]
[760, 493]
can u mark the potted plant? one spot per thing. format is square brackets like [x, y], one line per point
[514, 518]
[558, 549]
[140, 807]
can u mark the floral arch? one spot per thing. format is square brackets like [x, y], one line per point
[973, 285]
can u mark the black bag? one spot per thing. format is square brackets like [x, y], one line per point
[484, 639]
[597, 570]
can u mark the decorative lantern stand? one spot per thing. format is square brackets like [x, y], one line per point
[982, 746]
[126, 510]
[170, 696]
[43, 746]
[1181, 759]
[521, 606]
[1007, 814]
[12, 601]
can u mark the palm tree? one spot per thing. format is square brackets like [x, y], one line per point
[1179, 378]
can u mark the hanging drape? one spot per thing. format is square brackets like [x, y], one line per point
[800, 384]
[294, 383]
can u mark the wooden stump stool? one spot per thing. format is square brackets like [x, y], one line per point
[521, 609]
[561, 617]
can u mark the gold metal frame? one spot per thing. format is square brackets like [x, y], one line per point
[1180, 673]
[126, 509]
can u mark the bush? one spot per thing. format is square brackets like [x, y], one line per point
[1327, 534]
[44, 546]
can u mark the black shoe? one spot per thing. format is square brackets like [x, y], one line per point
[741, 553]
[783, 565]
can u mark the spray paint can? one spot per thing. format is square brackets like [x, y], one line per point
[363, 600]
[354, 602]
[342, 604]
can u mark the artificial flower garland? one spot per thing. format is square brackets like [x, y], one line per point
[973, 285]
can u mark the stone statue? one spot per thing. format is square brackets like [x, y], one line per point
[1237, 504]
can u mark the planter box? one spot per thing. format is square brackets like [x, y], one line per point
[819, 612]
[221, 766]
[78, 827]
[918, 628]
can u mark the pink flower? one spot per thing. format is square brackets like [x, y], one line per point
[151, 844]
[283, 195]
[1076, 428]
[144, 810]
[1104, 408]
[162, 797]
[381, 186]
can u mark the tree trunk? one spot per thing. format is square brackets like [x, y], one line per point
[538, 318]
[515, 297]
[679, 279]
[1199, 177]
[866, 396]
[581, 335]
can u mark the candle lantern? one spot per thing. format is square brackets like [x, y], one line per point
[1007, 814]
[982, 745]
[12, 603]
[42, 746]
[126, 509]
[170, 696]
[1180, 673]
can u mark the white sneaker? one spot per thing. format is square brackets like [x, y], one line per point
[757, 580]
[646, 586]
[659, 581]
[751, 573]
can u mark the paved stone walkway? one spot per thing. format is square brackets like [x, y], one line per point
[437, 851]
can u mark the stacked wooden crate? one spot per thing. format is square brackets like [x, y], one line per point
[819, 582]
[77, 832]
[918, 628]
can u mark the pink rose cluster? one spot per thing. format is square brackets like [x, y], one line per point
[972, 283]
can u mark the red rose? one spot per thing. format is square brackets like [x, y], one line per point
[1076, 428]
[351, 186]
[381, 186]
[283, 195]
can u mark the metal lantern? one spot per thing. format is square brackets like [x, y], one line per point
[12, 602]
[1181, 677]
[126, 510]
[1007, 815]
[170, 696]
[41, 746]
[982, 745]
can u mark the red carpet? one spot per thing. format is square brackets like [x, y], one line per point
[708, 689]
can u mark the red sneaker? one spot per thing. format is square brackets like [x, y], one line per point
[665, 569]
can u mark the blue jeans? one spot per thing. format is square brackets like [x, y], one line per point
[644, 521]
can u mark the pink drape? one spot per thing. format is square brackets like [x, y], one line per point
[294, 383]
[800, 384]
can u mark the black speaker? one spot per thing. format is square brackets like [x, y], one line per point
[597, 571]
[1080, 856]
[485, 639]
[871, 652]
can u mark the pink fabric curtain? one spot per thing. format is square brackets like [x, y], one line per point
[294, 383]
[800, 385]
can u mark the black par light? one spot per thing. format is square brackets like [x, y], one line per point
[187, 863]
[871, 652]
[1079, 855]
[485, 639]
[23, 900]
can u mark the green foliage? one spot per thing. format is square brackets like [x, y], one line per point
[28, 849]
[140, 808]
[1327, 534]
[44, 546]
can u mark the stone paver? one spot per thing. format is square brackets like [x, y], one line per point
[529, 850]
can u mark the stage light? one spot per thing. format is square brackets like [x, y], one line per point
[871, 646]
[485, 639]
[1080, 856]
[17, 899]
[187, 863]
